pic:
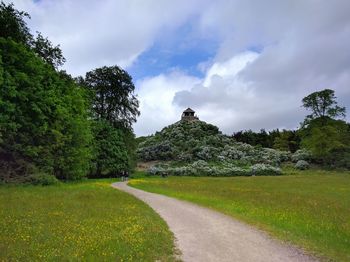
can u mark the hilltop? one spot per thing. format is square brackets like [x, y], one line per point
[198, 148]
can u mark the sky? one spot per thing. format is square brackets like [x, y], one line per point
[239, 64]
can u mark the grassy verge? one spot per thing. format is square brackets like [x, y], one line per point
[79, 221]
[309, 208]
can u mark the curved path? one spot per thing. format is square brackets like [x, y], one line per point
[206, 235]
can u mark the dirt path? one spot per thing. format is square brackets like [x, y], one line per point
[206, 235]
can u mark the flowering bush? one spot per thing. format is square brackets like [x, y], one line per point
[200, 168]
[194, 143]
[265, 170]
[301, 154]
[302, 165]
[156, 170]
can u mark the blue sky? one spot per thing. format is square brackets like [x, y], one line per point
[239, 64]
[180, 49]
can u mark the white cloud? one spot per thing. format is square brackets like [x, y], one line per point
[225, 99]
[303, 48]
[96, 33]
[156, 95]
[302, 45]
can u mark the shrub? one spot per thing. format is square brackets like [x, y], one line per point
[302, 165]
[301, 154]
[155, 170]
[42, 179]
[265, 170]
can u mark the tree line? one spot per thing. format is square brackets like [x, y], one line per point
[323, 132]
[56, 125]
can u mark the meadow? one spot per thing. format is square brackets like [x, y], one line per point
[310, 209]
[86, 220]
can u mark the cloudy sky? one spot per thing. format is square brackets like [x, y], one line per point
[238, 64]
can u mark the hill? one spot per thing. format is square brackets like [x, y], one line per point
[198, 148]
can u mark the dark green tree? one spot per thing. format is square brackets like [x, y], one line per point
[322, 104]
[287, 140]
[325, 137]
[50, 54]
[43, 121]
[12, 24]
[113, 96]
[110, 152]
[114, 108]
[329, 141]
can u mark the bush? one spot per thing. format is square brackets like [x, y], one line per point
[42, 179]
[302, 165]
[265, 170]
[301, 154]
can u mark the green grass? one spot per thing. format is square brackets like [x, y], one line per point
[310, 209]
[79, 221]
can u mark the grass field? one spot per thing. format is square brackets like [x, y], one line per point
[79, 221]
[309, 208]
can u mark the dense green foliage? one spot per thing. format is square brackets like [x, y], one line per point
[197, 148]
[12, 24]
[55, 125]
[43, 117]
[287, 140]
[80, 221]
[114, 109]
[325, 137]
[309, 208]
[328, 140]
[110, 155]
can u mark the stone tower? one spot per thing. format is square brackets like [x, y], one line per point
[189, 115]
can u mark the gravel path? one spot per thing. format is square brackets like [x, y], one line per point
[205, 235]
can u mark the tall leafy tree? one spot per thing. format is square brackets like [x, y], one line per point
[328, 139]
[113, 96]
[323, 104]
[114, 108]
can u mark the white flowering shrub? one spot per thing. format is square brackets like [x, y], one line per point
[302, 165]
[200, 168]
[206, 153]
[301, 154]
[231, 152]
[265, 170]
[203, 151]
[155, 170]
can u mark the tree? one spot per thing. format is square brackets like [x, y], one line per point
[50, 54]
[322, 104]
[13, 25]
[325, 137]
[287, 140]
[328, 140]
[114, 108]
[43, 121]
[112, 96]
[110, 152]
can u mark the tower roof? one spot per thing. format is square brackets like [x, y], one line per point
[189, 110]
